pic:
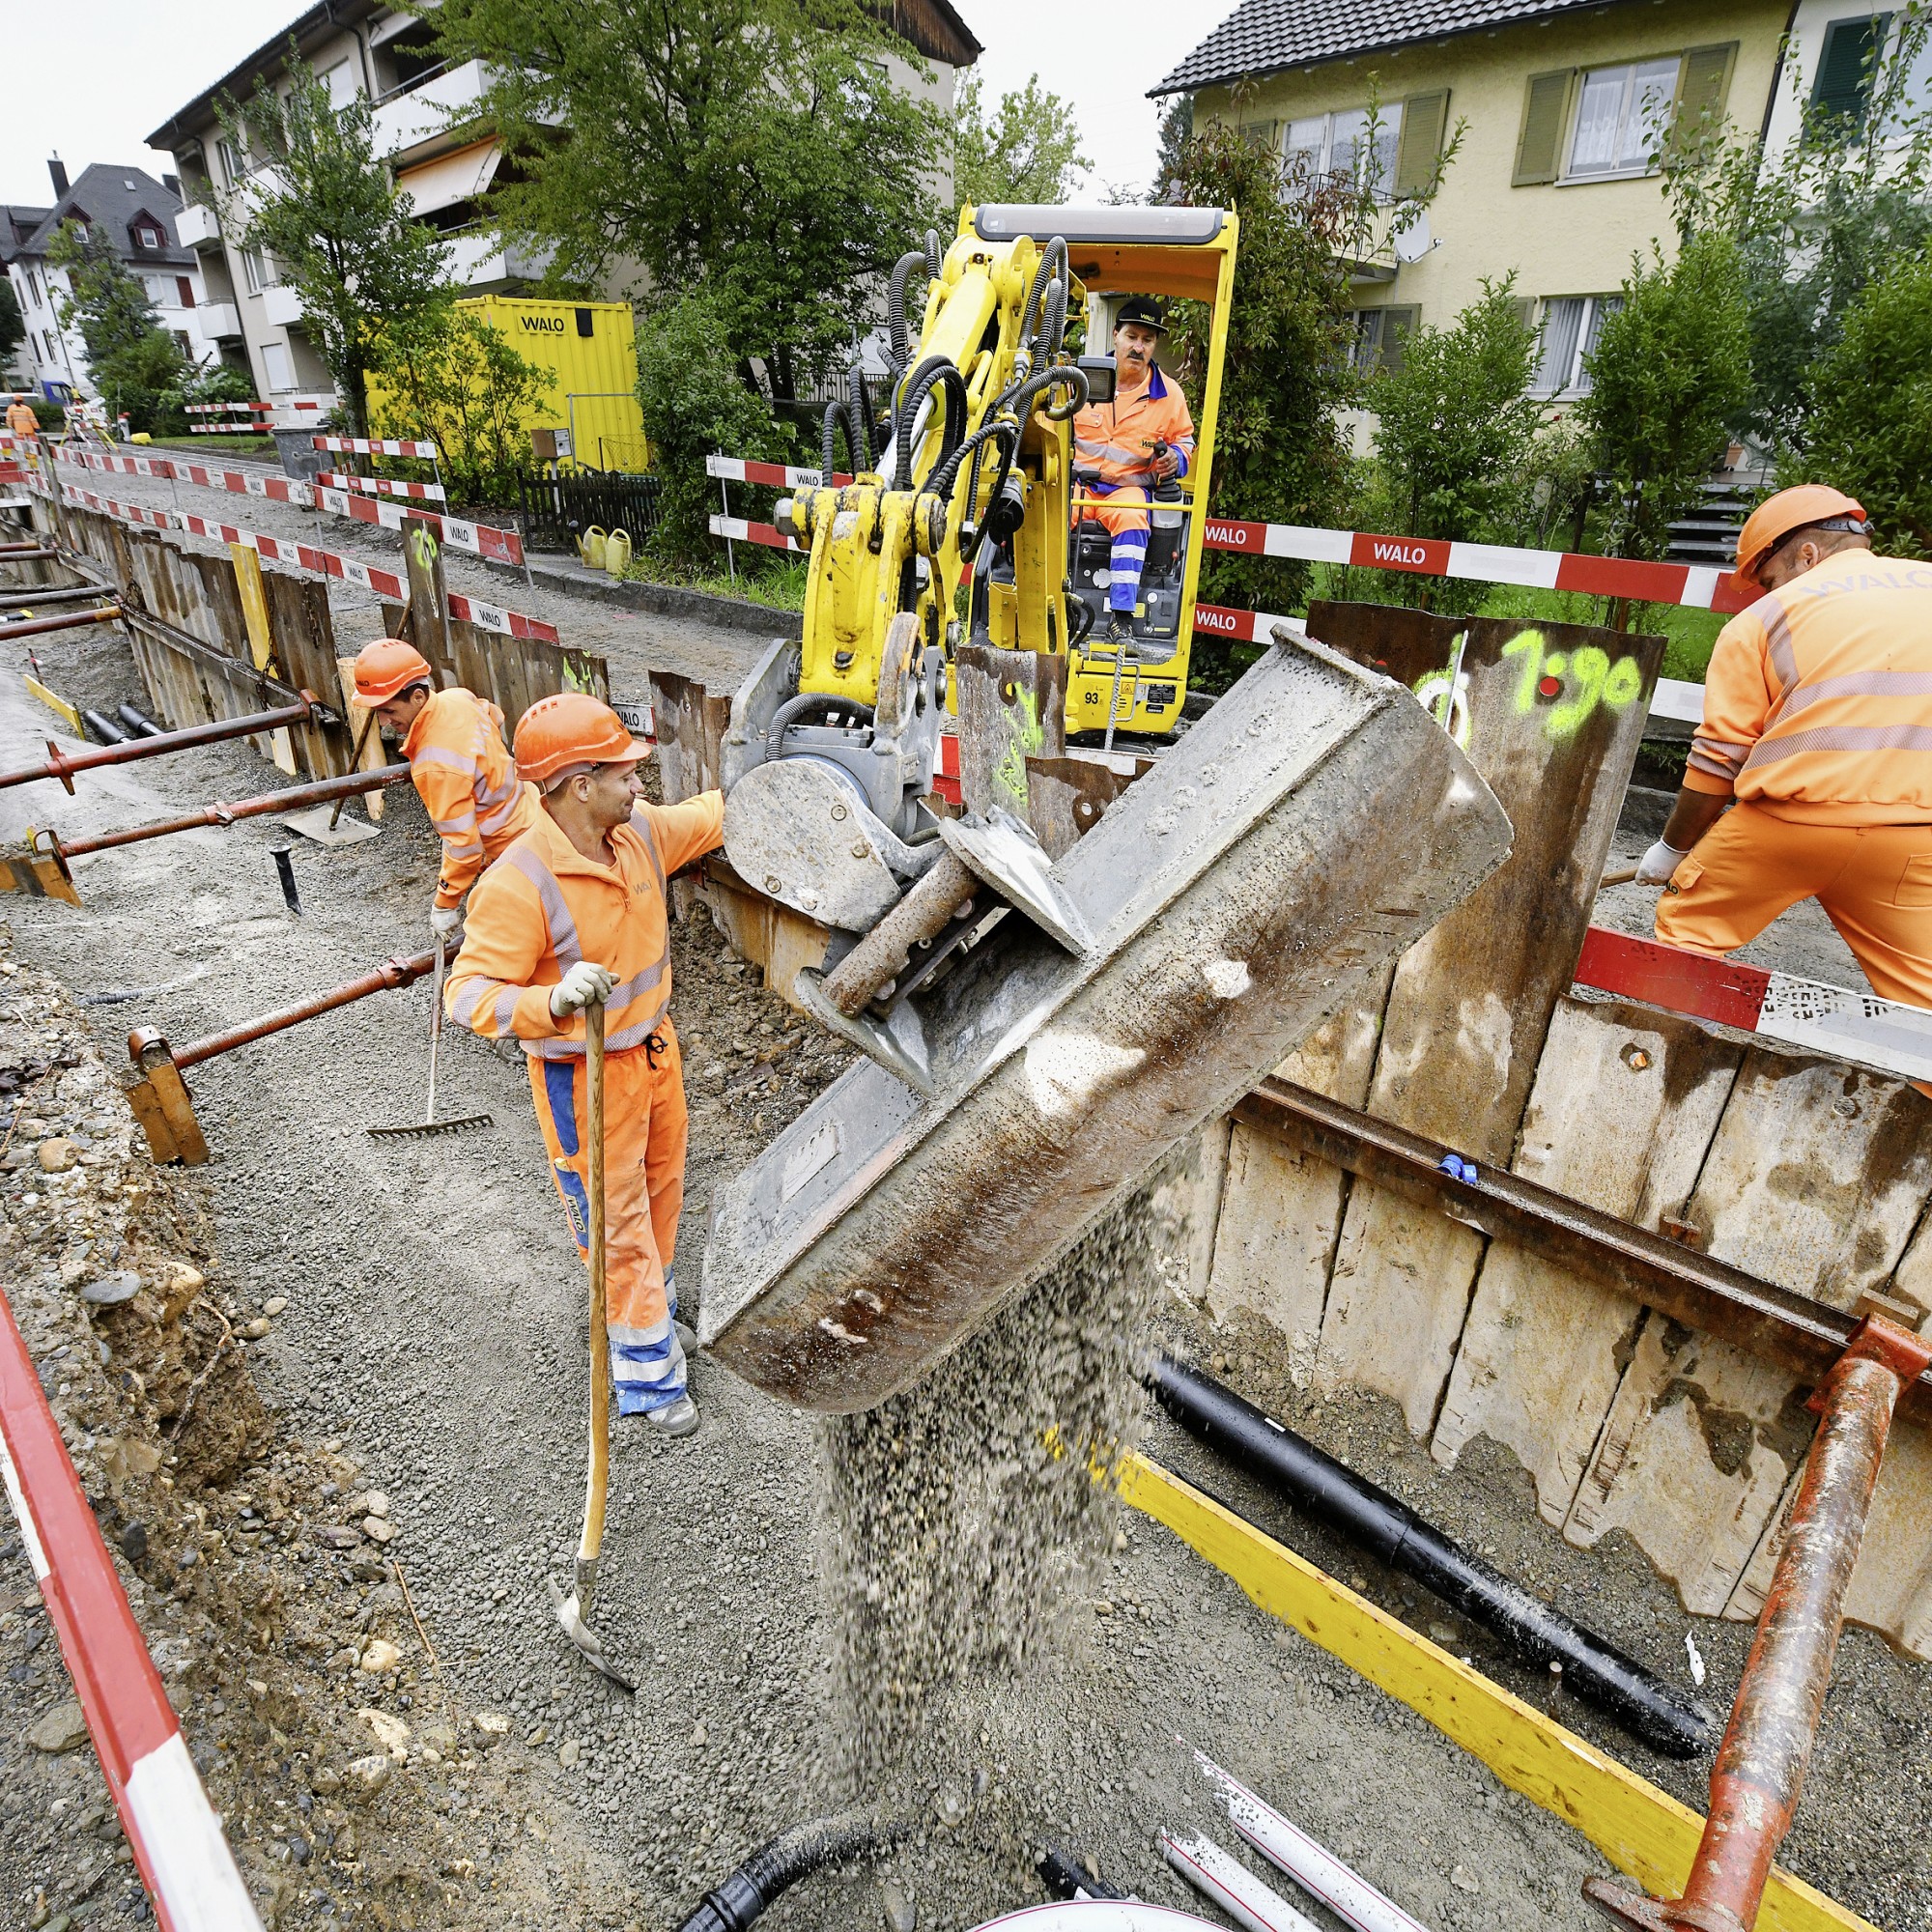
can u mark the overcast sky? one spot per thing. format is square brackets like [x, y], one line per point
[93, 78]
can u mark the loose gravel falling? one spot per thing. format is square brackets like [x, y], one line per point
[426, 1350]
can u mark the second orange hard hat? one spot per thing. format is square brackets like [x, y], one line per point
[386, 668]
[1777, 517]
[572, 729]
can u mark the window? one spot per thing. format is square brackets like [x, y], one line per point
[1335, 144]
[340, 80]
[184, 289]
[1379, 335]
[1572, 325]
[1609, 122]
[261, 270]
[33, 282]
[187, 346]
[148, 236]
[1620, 113]
[275, 364]
[1841, 90]
[232, 166]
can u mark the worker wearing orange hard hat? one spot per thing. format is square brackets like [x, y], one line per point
[20, 417]
[574, 912]
[457, 763]
[1810, 775]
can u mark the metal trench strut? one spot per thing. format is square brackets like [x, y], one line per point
[1759, 1774]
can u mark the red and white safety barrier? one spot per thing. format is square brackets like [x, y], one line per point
[1701, 586]
[479, 539]
[1882, 1034]
[370, 577]
[365, 445]
[237, 482]
[775, 475]
[173, 1831]
[739, 530]
[382, 485]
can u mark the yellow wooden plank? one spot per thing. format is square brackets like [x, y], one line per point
[67, 712]
[1639, 1829]
[260, 636]
[363, 731]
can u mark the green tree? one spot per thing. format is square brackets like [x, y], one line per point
[1177, 130]
[132, 361]
[445, 374]
[12, 324]
[693, 402]
[1671, 372]
[759, 148]
[1871, 409]
[1814, 223]
[1027, 150]
[322, 203]
[1456, 426]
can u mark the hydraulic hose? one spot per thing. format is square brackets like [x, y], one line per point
[1536, 1632]
[774, 1868]
[896, 300]
[1052, 268]
[838, 418]
[795, 708]
[859, 417]
[935, 372]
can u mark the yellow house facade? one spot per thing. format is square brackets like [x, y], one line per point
[1559, 103]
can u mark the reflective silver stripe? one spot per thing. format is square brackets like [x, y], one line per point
[447, 826]
[506, 1008]
[1713, 766]
[641, 825]
[1841, 738]
[563, 939]
[496, 821]
[1771, 613]
[489, 794]
[1730, 756]
[1860, 684]
[632, 1035]
[455, 761]
[635, 988]
[463, 1006]
[470, 849]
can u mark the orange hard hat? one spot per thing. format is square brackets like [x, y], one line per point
[1795, 509]
[572, 729]
[385, 667]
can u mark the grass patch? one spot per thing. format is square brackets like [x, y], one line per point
[200, 445]
[779, 583]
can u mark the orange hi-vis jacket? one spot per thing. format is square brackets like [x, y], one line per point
[1113, 442]
[469, 785]
[542, 907]
[1818, 700]
[21, 419]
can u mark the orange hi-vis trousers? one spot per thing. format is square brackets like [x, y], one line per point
[645, 1127]
[1873, 881]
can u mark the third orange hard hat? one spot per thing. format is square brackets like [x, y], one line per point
[1777, 517]
[569, 729]
[385, 667]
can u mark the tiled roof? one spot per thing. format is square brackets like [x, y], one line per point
[16, 226]
[110, 198]
[1265, 36]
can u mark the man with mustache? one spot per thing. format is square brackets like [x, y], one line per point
[1123, 448]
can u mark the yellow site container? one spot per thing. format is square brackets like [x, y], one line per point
[591, 416]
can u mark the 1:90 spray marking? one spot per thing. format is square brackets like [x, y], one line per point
[1590, 677]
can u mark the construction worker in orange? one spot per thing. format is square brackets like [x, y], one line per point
[1145, 435]
[1811, 774]
[20, 417]
[575, 912]
[457, 763]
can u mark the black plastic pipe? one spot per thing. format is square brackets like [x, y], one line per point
[104, 728]
[773, 1867]
[1597, 1671]
[139, 722]
[1065, 1877]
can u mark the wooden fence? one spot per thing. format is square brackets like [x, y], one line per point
[1806, 1172]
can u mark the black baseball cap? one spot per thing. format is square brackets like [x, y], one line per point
[1147, 310]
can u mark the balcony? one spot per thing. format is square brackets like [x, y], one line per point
[219, 322]
[283, 307]
[430, 112]
[481, 263]
[198, 226]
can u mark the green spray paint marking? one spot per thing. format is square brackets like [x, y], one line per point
[1446, 692]
[1029, 739]
[1583, 680]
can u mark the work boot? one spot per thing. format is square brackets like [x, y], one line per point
[1119, 627]
[674, 1418]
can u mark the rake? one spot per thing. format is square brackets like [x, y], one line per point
[429, 1124]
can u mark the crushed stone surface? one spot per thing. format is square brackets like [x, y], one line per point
[429, 1349]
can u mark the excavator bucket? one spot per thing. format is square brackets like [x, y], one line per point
[1314, 824]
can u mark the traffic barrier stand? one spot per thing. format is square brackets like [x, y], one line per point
[172, 1829]
[382, 485]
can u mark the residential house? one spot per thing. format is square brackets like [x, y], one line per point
[18, 222]
[137, 214]
[1561, 103]
[428, 129]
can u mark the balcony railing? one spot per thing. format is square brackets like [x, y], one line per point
[429, 110]
[282, 306]
[219, 322]
[198, 226]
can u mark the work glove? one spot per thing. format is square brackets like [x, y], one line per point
[1657, 865]
[584, 984]
[444, 920]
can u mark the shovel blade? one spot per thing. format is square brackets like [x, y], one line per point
[584, 1638]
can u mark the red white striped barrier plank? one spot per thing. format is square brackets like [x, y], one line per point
[768, 534]
[778, 476]
[1701, 586]
[382, 485]
[237, 482]
[479, 539]
[363, 445]
[175, 1835]
[370, 577]
[1882, 1034]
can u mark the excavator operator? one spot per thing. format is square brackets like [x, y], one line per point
[1121, 448]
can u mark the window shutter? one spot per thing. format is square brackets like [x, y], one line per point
[1702, 87]
[1398, 324]
[1539, 148]
[1423, 117]
[1844, 80]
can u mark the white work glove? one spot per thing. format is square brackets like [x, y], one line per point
[444, 920]
[583, 984]
[1657, 865]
